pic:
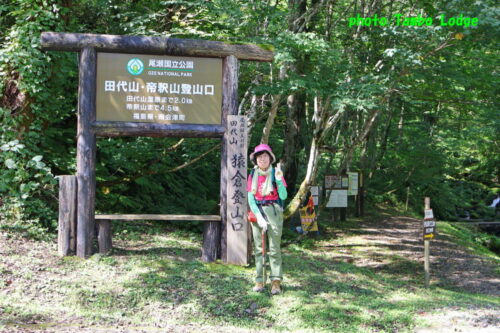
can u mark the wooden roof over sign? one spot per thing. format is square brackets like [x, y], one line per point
[63, 41]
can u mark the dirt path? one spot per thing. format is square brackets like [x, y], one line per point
[451, 265]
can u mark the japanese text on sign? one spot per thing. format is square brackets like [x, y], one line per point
[237, 224]
[237, 166]
[336, 182]
[160, 89]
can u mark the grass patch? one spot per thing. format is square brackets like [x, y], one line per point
[469, 237]
[154, 278]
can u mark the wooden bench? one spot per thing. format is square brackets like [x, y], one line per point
[68, 236]
[104, 238]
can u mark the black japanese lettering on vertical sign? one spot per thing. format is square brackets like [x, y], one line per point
[237, 226]
[242, 133]
[238, 179]
[238, 195]
[238, 161]
[236, 184]
[237, 213]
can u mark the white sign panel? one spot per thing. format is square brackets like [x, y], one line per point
[345, 181]
[315, 190]
[428, 224]
[428, 214]
[337, 198]
[353, 183]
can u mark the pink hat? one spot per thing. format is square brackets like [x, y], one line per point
[260, 148]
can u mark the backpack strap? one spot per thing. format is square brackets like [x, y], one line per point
[275, 185]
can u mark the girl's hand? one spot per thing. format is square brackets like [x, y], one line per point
[262, 223]
[278, 174]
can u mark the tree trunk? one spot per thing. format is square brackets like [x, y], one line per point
[295, 102]
[312, 168]
[270, 119]
[292, 144]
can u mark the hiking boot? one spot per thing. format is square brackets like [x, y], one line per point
[276, 287]
[259, 287]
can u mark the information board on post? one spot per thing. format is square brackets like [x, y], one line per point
[344, 182]
[336, 182]
[158, 89]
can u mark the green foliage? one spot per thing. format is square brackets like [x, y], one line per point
[29, 183]
[436, 134]
[33, 87]
[133, 175]
[470, 237]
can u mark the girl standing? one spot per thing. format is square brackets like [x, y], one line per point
[266, 191]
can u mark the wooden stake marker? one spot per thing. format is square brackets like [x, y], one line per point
[429, 227]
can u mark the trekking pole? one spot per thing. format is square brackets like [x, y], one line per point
[264, 257]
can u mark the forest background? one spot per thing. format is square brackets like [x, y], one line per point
[415, 109]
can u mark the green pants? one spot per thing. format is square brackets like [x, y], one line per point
[273, 243]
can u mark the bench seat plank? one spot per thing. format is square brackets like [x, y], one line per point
[162, 217]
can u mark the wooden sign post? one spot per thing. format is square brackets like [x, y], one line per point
[158, 93]
[336, 190]
[237, 228]
[429, 233]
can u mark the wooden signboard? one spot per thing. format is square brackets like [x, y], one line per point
[160, 89]
[237, 228]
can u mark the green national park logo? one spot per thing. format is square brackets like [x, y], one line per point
[135, 66]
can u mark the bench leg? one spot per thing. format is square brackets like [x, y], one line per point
[104, 236]
[211, 241]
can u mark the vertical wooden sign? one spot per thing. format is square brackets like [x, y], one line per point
[237, 228]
